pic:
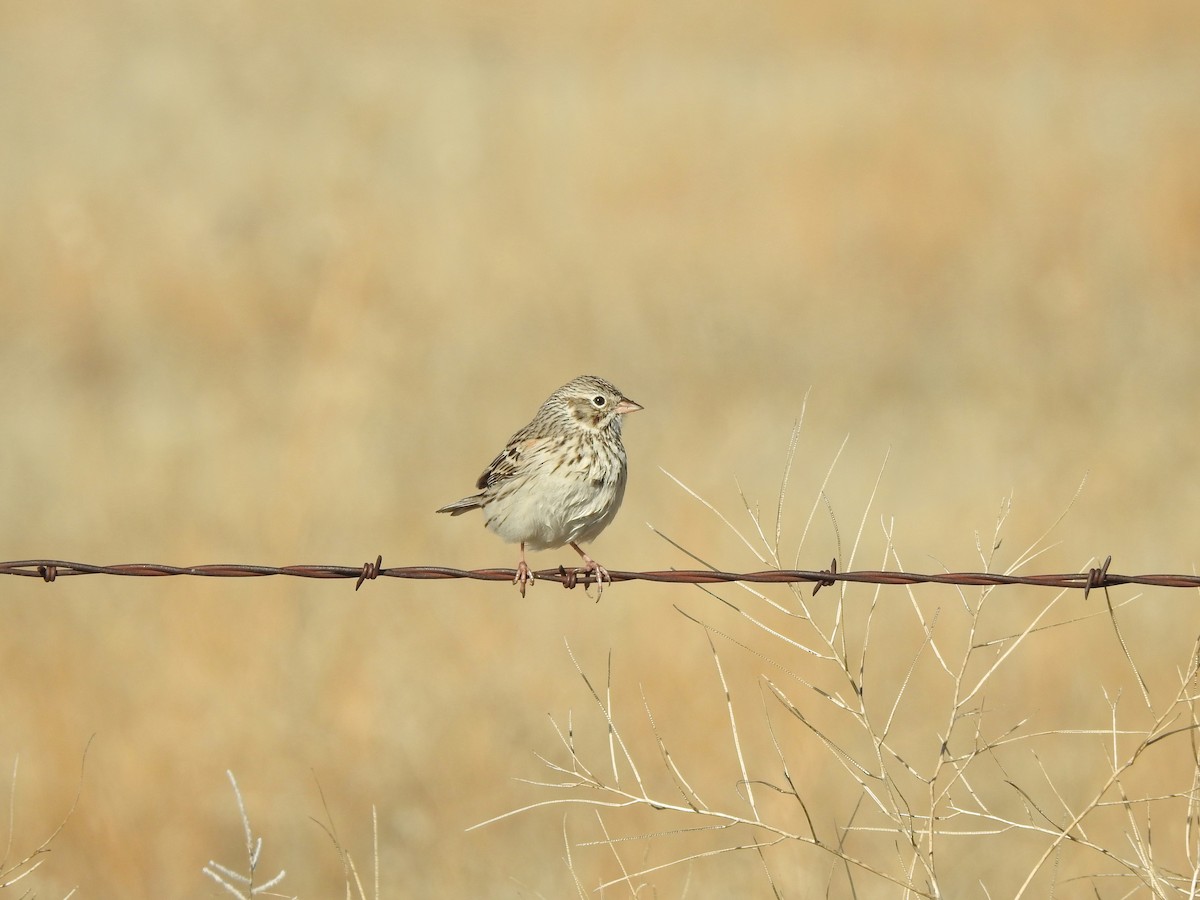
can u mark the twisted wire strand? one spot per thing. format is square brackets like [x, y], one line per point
[51, 569]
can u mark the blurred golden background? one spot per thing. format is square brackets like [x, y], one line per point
[279, 279]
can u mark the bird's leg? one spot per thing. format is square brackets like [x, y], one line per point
[524, 576]
[590, 565]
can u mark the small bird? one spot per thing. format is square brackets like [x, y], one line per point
[560, 479]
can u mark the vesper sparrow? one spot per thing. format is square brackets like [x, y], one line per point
[561, 478]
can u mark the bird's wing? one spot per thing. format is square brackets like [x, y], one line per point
[510, 460]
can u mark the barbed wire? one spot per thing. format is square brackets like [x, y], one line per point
[51, 569]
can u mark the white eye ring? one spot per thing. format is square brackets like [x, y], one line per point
[598, 401]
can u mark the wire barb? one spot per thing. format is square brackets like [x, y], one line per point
[570, 577]
[1097, 578]
[370, 570]
[830, 581]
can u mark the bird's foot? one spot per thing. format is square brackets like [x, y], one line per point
[523, 577]
[591, 567]
[594, 568]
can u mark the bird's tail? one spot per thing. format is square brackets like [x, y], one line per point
[466, 504]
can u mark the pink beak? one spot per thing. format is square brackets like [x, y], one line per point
[627, 406]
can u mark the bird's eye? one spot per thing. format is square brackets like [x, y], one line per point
[598, 401]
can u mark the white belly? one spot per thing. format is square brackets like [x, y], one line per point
[557, 511]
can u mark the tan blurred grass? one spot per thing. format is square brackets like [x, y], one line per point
[278, 280]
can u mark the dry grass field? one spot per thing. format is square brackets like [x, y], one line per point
[276, 281]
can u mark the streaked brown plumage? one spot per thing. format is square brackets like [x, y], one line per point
[560, 479]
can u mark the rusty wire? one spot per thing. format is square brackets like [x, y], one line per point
[50, 569]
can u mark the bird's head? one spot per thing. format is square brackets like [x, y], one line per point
[594, 403]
